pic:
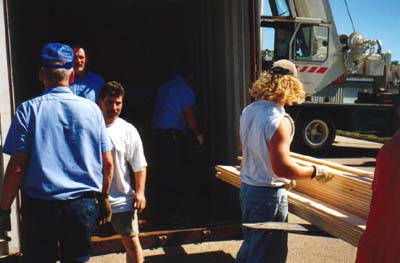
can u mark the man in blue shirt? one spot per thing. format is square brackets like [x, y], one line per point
[173, 120]
[87, 84]
[61, 161]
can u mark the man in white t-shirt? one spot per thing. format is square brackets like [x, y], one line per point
[128, 156]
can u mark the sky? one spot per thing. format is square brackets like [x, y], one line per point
[373, 19]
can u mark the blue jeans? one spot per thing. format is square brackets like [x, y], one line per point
[57, 228]
[263, 204]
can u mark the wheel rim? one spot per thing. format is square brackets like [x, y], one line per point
[316, 132]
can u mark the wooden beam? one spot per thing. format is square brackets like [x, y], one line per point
[339, 207]
[153, 239]
[342, 168]
[333, 165]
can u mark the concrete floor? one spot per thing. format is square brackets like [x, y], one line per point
[302, 248]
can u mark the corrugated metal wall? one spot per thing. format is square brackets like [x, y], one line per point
[225, 73]
[224, 78]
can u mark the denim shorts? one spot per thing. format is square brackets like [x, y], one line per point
[52, 226]
[263, 204]
[126, 223]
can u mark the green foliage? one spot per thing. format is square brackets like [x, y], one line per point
[363, 136]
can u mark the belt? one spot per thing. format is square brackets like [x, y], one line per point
[169, 131]
[173, 133]
[266, 186]
[277, 187]
[90, 194]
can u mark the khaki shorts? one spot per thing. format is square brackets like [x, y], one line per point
[126, 223]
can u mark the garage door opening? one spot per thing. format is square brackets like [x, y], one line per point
[138, 43]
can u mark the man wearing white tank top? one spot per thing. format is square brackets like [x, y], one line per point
[266, 132]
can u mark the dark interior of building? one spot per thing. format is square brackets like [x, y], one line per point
[136, 43]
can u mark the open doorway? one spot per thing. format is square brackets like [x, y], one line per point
[137, 43]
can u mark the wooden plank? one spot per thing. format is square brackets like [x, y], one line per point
[341, 168]
[336, 166]
[339, 223]
[154, 239]
[282, 226]
[339, 207]
[346, 191]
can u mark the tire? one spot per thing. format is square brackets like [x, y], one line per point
[315, 134]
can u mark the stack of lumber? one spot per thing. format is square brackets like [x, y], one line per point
[340, 207]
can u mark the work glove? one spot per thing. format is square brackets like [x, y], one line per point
[322, 174]
[287, 183]
[5, 222]
[105, 211]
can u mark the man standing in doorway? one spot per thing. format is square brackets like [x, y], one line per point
[87, 84]
[128, 157]
[173, 120]
[61, 161]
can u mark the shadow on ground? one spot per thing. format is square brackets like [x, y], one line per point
[350, 152]
[178, 255]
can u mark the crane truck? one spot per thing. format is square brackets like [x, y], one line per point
[305, 33]
[133, 42]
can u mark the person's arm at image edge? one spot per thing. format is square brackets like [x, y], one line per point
[12, 179]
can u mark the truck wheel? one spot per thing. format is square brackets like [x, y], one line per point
[316, 133]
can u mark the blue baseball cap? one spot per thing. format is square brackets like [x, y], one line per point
[57, 55]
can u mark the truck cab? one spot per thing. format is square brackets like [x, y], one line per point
[304, 32]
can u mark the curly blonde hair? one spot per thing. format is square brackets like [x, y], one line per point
[278, 88]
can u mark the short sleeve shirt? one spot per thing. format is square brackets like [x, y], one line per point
[173, 98]
[128, 151]
[65, 136]
[88, 86]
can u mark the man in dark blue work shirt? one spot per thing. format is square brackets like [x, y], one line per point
[173, 119]
[61, 161]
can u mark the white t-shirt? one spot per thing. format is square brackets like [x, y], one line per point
[258, 123]
[128, 150]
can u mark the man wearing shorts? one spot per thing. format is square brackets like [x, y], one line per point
[129, 169]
